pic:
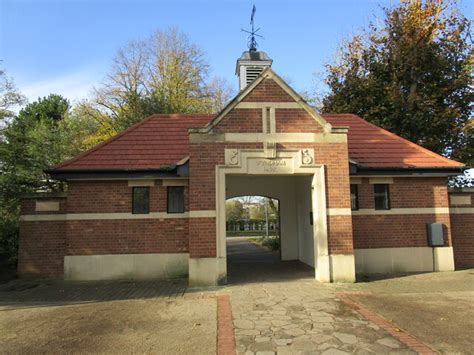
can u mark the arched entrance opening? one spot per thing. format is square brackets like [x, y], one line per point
[269, 234]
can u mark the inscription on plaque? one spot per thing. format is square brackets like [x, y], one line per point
[271, 166]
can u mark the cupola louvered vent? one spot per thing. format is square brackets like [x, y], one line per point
[250, 65]
[252, 73]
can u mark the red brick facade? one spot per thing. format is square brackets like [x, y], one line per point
[268, 91]
[43, 244]
[98, 216]
[463, 231]
[401, 230]
[241, 120]
[296, 121]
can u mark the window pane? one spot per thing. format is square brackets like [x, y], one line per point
[175, 199]
[141, 200]
[354, 197]
[381, 197]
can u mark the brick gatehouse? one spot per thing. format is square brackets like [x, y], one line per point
[150, 202]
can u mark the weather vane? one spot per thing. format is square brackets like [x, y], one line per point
[252, 44]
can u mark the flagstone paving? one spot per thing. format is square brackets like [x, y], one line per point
[303, 317]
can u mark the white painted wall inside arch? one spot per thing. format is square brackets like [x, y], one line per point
[294, 194]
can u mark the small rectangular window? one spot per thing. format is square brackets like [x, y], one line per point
[141, 200]
[175, 199]
[381, 196]
[354, 197]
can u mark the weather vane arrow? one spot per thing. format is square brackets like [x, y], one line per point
[252, 44]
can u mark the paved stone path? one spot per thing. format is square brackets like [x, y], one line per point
[303, 317]
[296, 316]
[25, 292]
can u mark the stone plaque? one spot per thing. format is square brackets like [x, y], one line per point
[44, 206]
[270, 166]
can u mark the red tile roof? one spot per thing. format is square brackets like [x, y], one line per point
[372, 146]
[162, 140]
[157, 141]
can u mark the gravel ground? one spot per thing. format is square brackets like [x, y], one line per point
[277, 315]
[184, 326]
[437, 308]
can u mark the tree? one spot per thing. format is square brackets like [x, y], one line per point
[164, 73]
[40, 136]
[411, 75]
[9, 96]
[234, 210]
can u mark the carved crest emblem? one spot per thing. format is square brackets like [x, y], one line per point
[307, 156]
[232, 157]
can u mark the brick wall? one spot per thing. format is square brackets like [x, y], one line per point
[205, 156]
[241, 120]
[42, 245]
[403, 230]
[463, 231]
[395, 231]
[335, 159]
[28, 204]
[296, 121]
[112, 197]
[127, 236]
[268, 91]
[202, 194]
[202, 240]
[408, 192]
[130, 236]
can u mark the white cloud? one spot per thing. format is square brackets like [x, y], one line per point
[73, 86]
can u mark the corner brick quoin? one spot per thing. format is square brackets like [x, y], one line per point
[400, 334]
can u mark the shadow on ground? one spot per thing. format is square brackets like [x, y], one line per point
[25, 293]
[248, 262]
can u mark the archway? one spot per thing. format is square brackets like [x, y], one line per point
[284, 250]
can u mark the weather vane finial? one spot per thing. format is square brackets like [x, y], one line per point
[252, 44]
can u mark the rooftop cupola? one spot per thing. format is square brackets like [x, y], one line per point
[250, 65]
[252, 62]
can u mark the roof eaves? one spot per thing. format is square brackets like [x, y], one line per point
[116, 173]
[397, 170]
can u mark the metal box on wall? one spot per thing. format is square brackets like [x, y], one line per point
[435, 234]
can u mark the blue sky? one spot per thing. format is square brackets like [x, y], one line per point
[66, 46]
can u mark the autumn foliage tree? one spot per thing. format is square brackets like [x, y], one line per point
[411, 75]
[164, 73]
